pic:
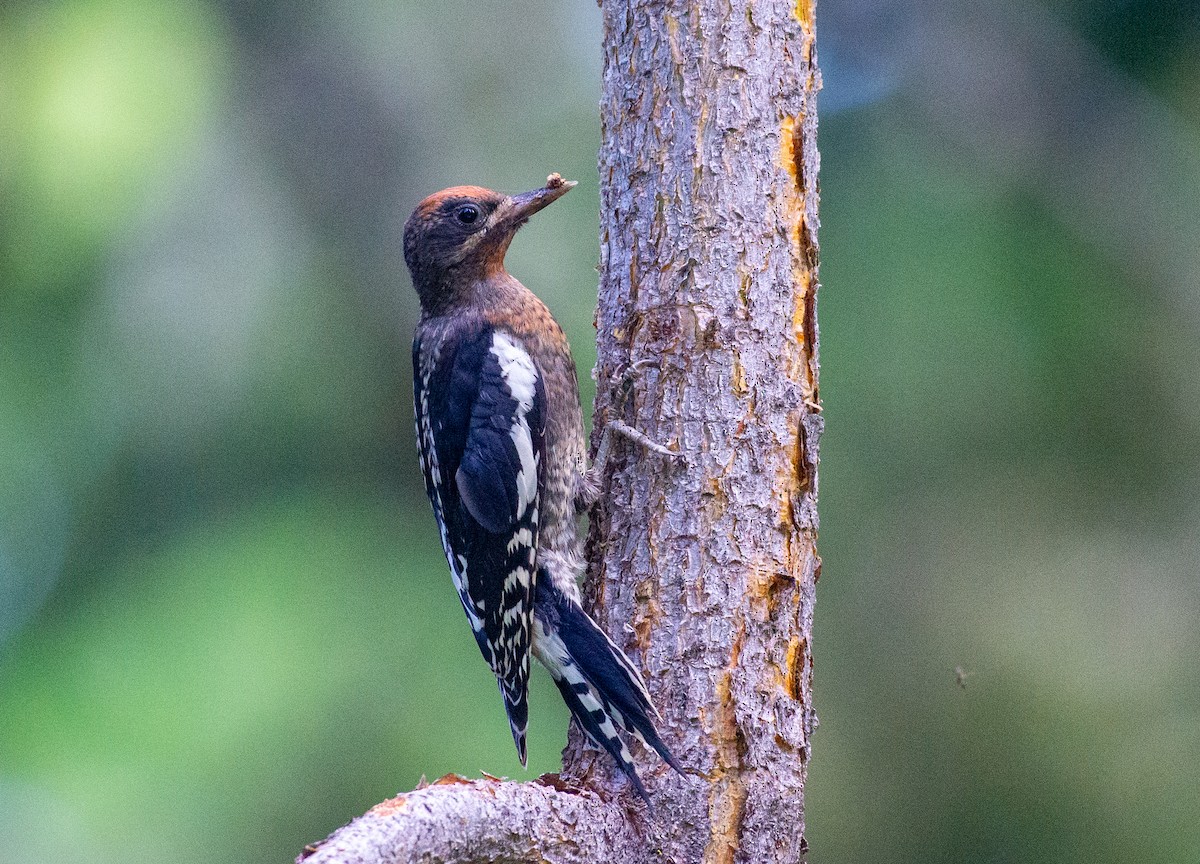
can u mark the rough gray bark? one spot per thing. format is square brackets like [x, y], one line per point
[457, 820]
[708, 260]
[703, 570]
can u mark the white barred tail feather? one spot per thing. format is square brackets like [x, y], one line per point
[597, 681]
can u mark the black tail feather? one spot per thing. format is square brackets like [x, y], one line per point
[597, 681]
[590, 722]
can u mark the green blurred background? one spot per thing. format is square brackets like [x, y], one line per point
[225, 624]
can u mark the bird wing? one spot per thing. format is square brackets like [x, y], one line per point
[480, 405]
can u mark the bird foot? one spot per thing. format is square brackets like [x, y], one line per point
[623, 379]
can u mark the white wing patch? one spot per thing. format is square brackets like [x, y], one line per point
[520, 375]
[523, 537]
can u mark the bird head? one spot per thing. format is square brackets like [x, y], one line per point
[459, 235]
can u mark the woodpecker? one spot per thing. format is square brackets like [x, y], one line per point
[500, 432]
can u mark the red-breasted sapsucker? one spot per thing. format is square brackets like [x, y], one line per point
[502, 448]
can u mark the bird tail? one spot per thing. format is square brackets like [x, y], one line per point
[597, 681]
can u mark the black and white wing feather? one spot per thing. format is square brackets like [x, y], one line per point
[480, 408]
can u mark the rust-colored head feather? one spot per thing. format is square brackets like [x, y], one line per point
[460, 235]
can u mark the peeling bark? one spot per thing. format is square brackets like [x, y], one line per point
[704, 569]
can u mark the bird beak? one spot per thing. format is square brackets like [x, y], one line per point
[522, 206]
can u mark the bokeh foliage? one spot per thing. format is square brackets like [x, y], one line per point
[225, 625]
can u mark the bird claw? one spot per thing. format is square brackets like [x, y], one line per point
[622, 380]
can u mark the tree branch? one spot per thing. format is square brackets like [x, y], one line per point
[459, 821]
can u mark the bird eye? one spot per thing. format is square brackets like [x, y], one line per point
[467, 214]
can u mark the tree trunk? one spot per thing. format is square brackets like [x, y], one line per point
[703, 569]
[708, 260]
